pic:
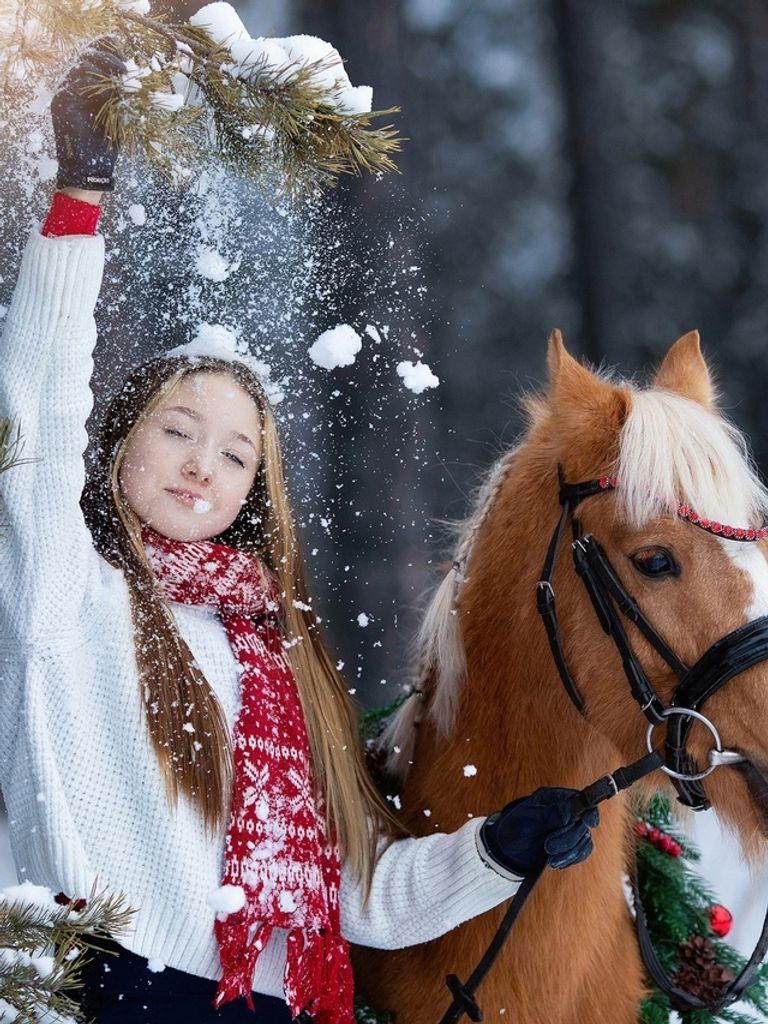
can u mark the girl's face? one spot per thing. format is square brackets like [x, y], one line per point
[189, 466]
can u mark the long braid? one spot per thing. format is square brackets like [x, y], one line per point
[440, 661]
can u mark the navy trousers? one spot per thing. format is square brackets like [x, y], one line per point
[122, 990]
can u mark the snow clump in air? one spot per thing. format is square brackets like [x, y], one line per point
[284, 57]
[155, 965]
[336, 347]
[226, 900]
[219, 342]
[137, 214]
[469, 770]
[212, 265]
[362, 620]
[417, 377]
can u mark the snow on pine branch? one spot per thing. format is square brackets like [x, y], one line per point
[44, 941]
[272, 110]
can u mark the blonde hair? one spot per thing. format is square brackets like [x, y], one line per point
[173, 684]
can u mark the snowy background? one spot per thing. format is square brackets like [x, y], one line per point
[587, 164]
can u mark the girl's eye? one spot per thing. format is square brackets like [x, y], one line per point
[655, 563]
[235, 458]
[175, 433]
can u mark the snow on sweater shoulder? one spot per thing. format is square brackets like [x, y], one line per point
[85, 798]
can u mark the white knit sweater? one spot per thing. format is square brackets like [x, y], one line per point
[84, 793]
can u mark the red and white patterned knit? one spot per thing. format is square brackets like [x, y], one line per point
[277, 847]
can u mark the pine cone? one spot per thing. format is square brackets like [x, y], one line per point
[697, 972]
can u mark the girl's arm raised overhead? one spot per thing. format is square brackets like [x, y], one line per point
[47, 558]
[46, 552]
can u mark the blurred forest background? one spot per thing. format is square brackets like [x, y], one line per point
[587, 164]
[595, 165]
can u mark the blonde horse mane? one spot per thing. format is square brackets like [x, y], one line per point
[709, 467]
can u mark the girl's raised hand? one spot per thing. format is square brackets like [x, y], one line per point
[86, 156]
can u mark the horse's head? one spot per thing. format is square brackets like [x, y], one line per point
[673, 522]
[670, 464]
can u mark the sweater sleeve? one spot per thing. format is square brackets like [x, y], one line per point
[422, 888]
[46, 553]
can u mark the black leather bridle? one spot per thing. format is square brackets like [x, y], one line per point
[729, 656]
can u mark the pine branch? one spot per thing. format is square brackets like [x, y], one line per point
[11, 446]
[36, 985]
[270, 125]
[25, 926]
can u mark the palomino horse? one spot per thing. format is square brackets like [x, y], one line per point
[491, 697]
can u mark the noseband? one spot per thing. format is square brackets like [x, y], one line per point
[729, 656]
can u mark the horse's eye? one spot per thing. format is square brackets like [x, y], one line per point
[655, 562]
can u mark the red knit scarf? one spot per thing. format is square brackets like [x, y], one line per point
[277, 849]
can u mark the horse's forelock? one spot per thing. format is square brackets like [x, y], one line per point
[673, 450]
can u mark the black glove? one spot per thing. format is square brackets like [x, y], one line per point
[86, 156]
[536, 827]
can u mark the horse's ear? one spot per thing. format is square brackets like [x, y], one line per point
[566, 374]
[685, 372]
[585, 406]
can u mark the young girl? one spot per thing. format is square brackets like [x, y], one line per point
[172, 727]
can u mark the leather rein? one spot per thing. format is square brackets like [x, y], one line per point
[729, 656]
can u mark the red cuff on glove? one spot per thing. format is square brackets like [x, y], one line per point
[70, 216]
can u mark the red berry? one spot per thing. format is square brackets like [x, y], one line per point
[720, 919]
[654, 835]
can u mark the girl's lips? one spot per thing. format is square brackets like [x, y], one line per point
[187, 498]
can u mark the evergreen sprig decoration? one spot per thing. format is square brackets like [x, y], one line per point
[184, 99]
[677, 905]
[42, 949]
[11, 443]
